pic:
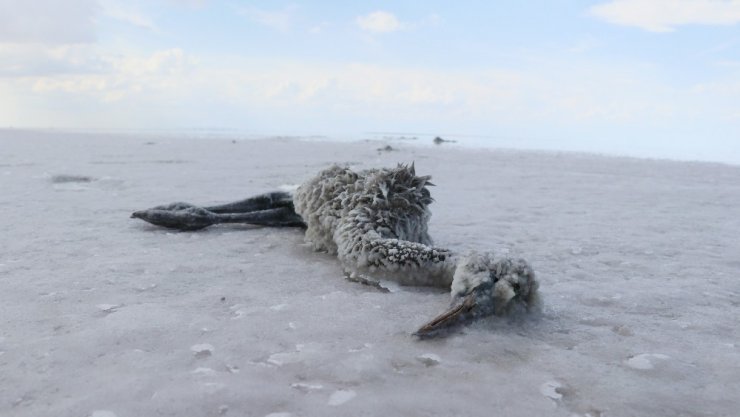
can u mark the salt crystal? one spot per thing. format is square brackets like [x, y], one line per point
[202, 350]
[107, 308]
[550, 390]
[340, 397]
[280, 359]
[146, 287]
[204, 371]
[103, 413]
[360, 348]
[643, 361]
[429, 359]
[306, 387]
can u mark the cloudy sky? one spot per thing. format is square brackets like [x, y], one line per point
[641, 77]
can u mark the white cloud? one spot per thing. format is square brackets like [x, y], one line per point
[189, 3]
[569, 96]
[666, 15]
[280, 20]
[381, 92]
[49, 22]
[125, 13]
[165, 62]
[172, 85]
[379, 22]
[315, 29]
[122, 77]
[728, 64]
[585, 45]
[28, 60]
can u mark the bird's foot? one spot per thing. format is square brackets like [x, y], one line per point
[181, 216]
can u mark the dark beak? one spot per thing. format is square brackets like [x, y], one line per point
[456, 314]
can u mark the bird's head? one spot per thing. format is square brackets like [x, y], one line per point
[483, 285]
[400, 189]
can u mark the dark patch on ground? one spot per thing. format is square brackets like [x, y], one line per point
[63, 179]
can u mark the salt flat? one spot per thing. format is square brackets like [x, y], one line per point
[103, 315]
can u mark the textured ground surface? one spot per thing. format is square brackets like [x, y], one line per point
[101, 315]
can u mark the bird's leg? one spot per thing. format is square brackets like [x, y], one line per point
[267, 201]
[271, 209]
[276, 217]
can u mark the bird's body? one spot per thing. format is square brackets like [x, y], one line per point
[376, 221]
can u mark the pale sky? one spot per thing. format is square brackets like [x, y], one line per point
[638, 77]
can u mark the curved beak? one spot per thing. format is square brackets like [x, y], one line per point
[457, 313]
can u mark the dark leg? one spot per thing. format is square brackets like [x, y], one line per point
[265, 201]
[277, 217]
[271, 209]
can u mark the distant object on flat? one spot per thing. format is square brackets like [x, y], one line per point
[438, 141]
